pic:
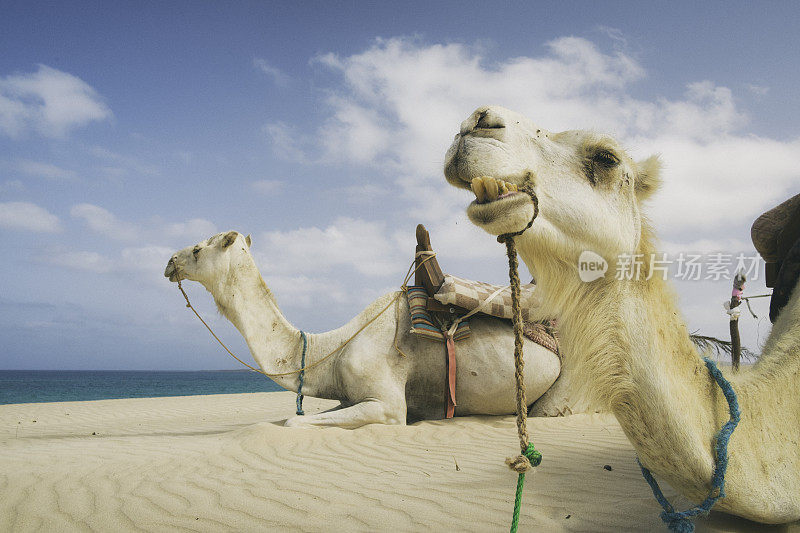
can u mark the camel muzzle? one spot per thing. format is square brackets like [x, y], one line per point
[171, 271]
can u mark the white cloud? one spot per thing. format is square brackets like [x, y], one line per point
[195, 229]
[364, 246]
[45, 170]
[706, 112]
[49, 102]
[145, 260]
[80, 260]
[148, 259]
[29, 217]
[267, 186]
[758, 90]
[365, 193]
[614, 34]
[305, 291]
[706, 246]
[276, 74]
[403, 102]
[104, 222]
[119, 165]
[155, 230]
[723, 184]
[286, 142]
[355, 133]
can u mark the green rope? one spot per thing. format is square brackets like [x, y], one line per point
[535, 458]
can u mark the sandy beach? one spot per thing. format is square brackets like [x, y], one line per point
[225, 463]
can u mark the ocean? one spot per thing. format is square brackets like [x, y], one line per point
[29, 386]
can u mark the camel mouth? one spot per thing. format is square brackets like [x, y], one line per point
[488, 189]
[500, 206]
[490, 209]
[172, 272]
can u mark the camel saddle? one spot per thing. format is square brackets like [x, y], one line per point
[437, 300]
[776, 236]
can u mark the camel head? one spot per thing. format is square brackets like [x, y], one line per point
[589, 190]
[209, 260]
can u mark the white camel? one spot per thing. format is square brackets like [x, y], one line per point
[625, 342]
[371, 379]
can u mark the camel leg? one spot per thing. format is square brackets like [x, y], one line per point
[371, 411]
[337, 408]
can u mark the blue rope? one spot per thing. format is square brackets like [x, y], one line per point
[302, 375]
[681, 522]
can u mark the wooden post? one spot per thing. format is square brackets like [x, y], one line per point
[736, 301]
[429, 275]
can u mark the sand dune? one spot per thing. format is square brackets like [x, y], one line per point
[225, 463]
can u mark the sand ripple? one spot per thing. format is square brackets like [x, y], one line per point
[225, 463]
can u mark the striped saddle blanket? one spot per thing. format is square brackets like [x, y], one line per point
[470, 295]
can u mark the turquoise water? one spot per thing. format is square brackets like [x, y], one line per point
[29, 386]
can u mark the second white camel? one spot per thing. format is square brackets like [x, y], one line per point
[371, 379]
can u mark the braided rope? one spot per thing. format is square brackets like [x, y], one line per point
[302, 375]
[529, 456]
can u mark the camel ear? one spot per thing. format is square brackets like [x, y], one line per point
[247, 240]
[648, 177]
[229, 238]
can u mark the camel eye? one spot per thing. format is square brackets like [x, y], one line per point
[195, 252]
[605, 158]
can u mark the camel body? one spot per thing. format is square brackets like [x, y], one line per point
[371, 379]
[625, 342]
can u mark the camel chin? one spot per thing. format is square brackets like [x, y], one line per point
[504, 215]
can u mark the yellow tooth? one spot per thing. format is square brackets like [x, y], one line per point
[513, 187]
[479, 189]
[491, 189]
[503, 188]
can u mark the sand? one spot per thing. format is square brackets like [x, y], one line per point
[225, 463]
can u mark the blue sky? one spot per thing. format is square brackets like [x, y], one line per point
[128, 131]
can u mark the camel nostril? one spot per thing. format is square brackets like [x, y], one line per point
[488, 120]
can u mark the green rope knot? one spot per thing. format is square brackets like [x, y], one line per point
[524, 461]
[533, 455]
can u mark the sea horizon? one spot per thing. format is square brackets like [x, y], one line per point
[40, 386]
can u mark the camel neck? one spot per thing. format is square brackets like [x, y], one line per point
[636, 356]
[244, 299]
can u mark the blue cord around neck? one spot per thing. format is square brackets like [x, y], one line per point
[302, 375]
[681, 522]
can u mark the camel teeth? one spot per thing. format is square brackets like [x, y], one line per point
[488, 189]
[492, 189]
[479, 189]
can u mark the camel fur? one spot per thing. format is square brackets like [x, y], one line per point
[373, 382]
[626, 345]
